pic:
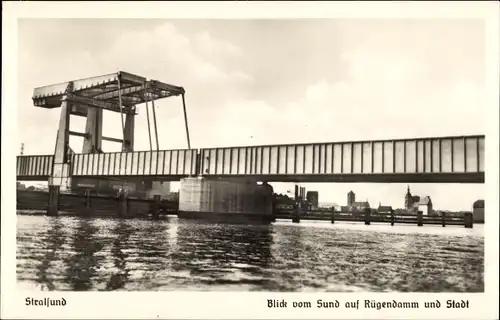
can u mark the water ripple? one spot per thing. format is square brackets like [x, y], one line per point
[81, 254]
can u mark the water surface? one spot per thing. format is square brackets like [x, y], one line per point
[71, 253]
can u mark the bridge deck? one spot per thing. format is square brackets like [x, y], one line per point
[420, 160]
[444, 159]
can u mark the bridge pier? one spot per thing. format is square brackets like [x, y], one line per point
[122, 205]
[367, 217]
[156, 207]
[225, 200]
[88, 203]
[54, 195]
[296, 213]
[468, 220]
[420, 218]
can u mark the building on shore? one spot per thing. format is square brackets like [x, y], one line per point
[478, 211]
[356, 207]
[384, 209]
[353, 206]
[312, 199]
[416, 203]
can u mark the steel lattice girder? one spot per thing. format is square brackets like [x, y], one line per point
[103, 91]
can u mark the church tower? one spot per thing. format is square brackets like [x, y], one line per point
[351, 198]
[408, 199]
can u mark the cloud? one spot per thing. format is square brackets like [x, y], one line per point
[213, 49]
[384, 95]
[376, 80]
[318, 92]
[207, 67]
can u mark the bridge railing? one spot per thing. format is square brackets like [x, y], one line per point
[139, 163]
[428, 155]
[464, 154]
[34, 166]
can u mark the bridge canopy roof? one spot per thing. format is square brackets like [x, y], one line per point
[105, 89]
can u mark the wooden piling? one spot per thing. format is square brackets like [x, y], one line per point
[156, 206]
[443, 221]
[368, 214]
[468, 220]
[333, 215]
[88, 204]
[392, 218]
[122, 205]
[54, 197]
[87, 199]
[420, 218]
[296, 213]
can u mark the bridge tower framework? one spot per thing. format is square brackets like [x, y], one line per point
[119, 92]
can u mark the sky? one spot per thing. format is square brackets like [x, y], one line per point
[253, 82]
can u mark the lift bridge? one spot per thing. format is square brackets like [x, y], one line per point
[450, 159]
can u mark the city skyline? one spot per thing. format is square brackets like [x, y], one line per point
[374, 201]
[249, 83]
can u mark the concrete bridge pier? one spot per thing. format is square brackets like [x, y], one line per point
[225, 200]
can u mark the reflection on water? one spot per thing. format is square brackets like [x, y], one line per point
[70, 253]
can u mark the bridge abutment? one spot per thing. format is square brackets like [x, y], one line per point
[225, 200]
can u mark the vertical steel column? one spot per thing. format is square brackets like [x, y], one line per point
[371, 156]
[147, 116]
[154, 121]
[129, 129]
[440, 157]
[362, 151]
[383, 157]
[478, 166]
[352, 157]
[186, 121]
[121, 111]
[465, 154]
[452, 149]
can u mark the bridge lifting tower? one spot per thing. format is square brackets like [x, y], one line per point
[119, 92]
